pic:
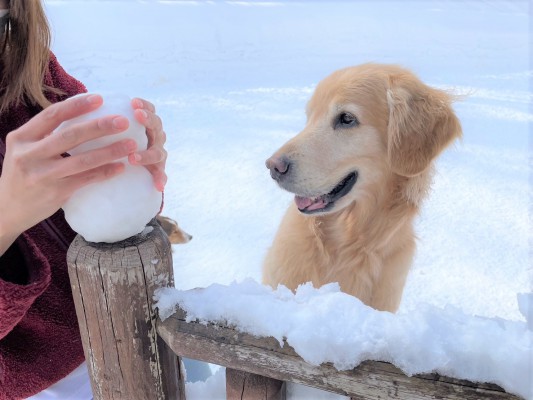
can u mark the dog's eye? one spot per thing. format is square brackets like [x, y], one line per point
[346, 120]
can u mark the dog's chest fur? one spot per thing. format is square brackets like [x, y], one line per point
[359, 255]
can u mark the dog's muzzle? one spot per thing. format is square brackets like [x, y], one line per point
[279, 167]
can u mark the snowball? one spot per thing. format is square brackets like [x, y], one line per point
[120, 207]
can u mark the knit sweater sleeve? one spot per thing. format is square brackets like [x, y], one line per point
[20, 284]
[58, 78]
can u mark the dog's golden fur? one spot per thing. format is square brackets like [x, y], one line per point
[365, 241]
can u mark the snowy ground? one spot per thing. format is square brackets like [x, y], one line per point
[231, 79]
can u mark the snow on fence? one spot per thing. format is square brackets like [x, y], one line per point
[132, 354]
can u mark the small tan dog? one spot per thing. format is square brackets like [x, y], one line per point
[175, 234]
[360, 170]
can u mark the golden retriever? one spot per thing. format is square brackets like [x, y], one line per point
[359, 170]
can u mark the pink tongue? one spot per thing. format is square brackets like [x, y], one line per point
[305, 203]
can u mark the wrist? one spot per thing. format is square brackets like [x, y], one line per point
[8, 234]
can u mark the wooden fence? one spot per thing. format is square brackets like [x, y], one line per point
[133, 355]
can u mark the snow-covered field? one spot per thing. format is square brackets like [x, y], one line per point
[230, 81]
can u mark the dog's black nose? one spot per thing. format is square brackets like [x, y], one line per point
[278, 167]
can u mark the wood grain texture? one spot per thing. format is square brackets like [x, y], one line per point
[112, 286]
[241, 385]
[371, 380]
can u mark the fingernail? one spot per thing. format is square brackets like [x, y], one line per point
[137, 103]
[120, 123]
[144, 114]
[137, 157]
[93, 99]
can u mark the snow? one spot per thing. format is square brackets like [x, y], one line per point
[230, 81]
[327, 325]
[525, 305]
[118, 208]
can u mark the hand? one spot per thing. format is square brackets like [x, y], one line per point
[36, 180]
[154, 157]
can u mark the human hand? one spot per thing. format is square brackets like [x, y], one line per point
[155, 156]
[36, 180]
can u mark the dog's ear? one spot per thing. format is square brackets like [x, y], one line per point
[421, 124]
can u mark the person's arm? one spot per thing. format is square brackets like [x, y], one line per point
[36, 180]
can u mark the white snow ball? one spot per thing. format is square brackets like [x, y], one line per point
[120, 207]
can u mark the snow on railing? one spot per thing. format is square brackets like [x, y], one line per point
[328, 326]
[265, 338]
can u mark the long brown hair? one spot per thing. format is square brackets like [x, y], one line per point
[24, 55]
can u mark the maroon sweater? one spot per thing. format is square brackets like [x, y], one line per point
[39, 337]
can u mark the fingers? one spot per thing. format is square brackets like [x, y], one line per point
[153, 155]
[158, 176]
[68, 138]
[99, 174]
[138, 103]
[144, 113]
[153, 125]
[94, 159]
[154, 158]
[51, 117]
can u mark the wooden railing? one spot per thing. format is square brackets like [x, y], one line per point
[133, 355]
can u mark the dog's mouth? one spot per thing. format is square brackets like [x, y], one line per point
[311, 205]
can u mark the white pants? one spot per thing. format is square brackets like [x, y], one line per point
[74, 386]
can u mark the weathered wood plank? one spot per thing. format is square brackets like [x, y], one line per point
[241, 385]
[264, 356]
[113, 287]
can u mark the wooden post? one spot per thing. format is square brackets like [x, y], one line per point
[113, 286]
[242, 385]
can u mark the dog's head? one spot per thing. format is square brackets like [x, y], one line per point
[365, 125]
[175, 234]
